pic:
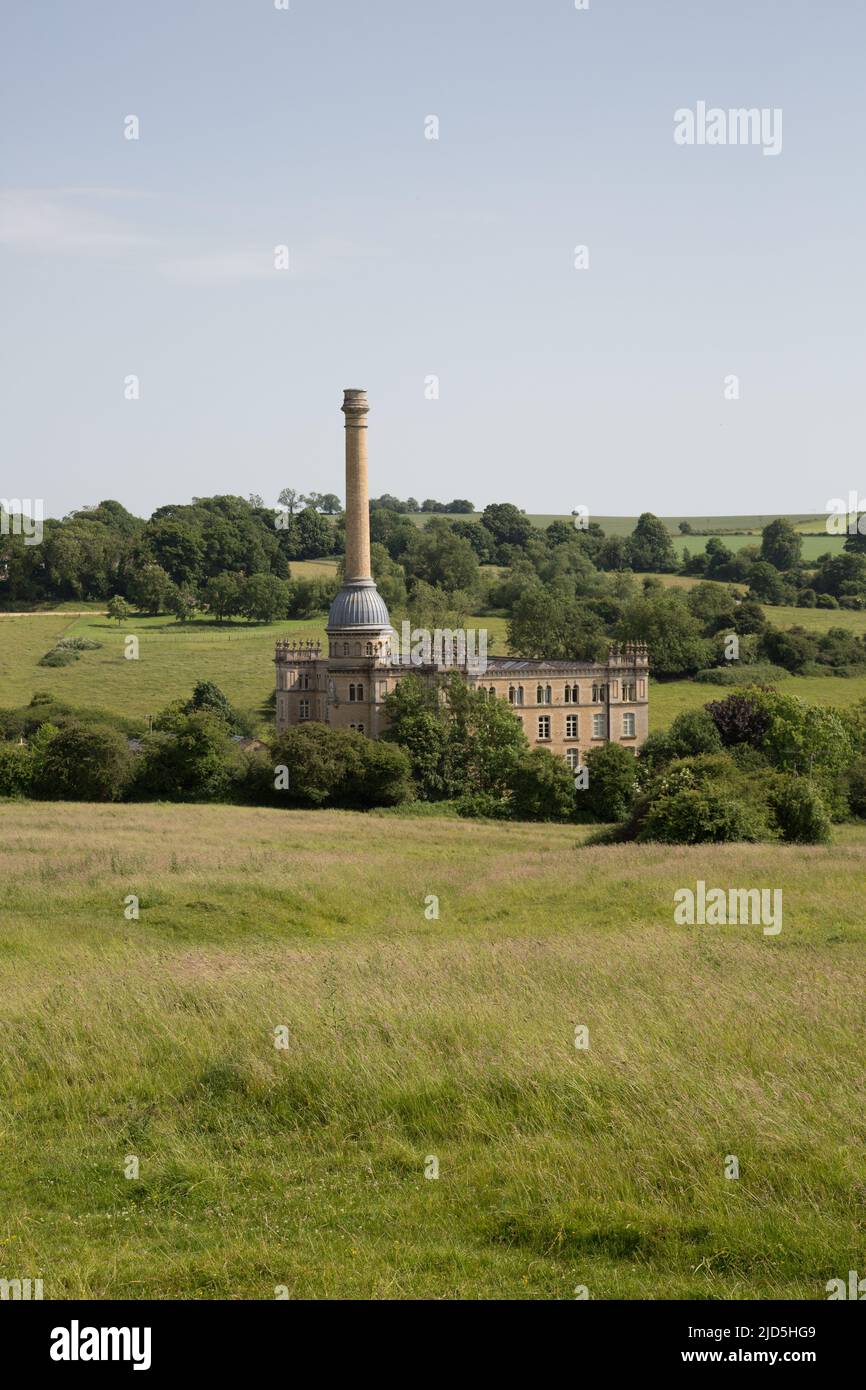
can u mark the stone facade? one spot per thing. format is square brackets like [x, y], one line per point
[568, 707]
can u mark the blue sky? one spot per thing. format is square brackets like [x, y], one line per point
[411, 257]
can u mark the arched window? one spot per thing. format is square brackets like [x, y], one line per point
[520, 694]
[369, 649]
[548, 695]
[511, 695]
[492, 693]
[352, 693]
[539, 696]
[575, 694]
[360, 694]
[568, 694]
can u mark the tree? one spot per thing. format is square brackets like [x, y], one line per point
[177, 547]
[766, 584]
[222, 595]
[545, 622]
[650, 547]
[289, 499]
[611, 779]
[781, 545]
[150, 588]
[459, 742]
[714, 606]
[440, 557]
[208, 696]
[507, 524]
[749, 617]
[264, 598]
[182, 603]
[192, 762]
[313, 535]
[118, 609]
[542, 787]
[82, 763]
[673, 635]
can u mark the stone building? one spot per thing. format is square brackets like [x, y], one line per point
[566, 706]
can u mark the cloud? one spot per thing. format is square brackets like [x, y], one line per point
[40, 221]
[216, 267]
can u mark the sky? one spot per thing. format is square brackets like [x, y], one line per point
[705, 356]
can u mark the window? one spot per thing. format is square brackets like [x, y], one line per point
[548, 695]
[628, 690]
[369, 648]
[575, 695]
[567, 695]
[306, 681]
[359, 694]
[628, 726]
[544, 726]
[351, 694]
[572, 757]
[539, 696]
[598, 693]
[492, 693]
[520, 694]
[345, 649]
[511, 695]
[303, 709]
[360, 728]
[571, 726]
[598, 726]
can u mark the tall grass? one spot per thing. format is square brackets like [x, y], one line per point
[411, 1037]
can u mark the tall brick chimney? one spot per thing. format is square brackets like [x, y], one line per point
[359, 610]
[355, 409]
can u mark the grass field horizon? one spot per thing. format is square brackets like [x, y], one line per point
[410, 1038]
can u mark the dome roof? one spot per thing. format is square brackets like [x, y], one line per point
[359, 605]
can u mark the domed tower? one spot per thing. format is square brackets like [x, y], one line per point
[359, 628]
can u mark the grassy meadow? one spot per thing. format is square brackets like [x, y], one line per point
[411, 1039]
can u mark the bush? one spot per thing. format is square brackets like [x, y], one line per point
[694, 732]
[612, 776]
[81, 763]
[194, 762]
[799, 812]
[543, 787]
[78, 644]
[827, 601]
[16, 769]
[708, 814]
[59, 656]
[338, 767]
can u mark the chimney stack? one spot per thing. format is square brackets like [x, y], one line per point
[355, 409]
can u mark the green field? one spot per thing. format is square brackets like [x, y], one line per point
[409, 1040]
[239, 658]
[173, 656]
